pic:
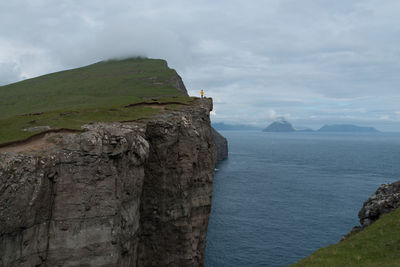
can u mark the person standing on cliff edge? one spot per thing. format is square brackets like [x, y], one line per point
[202, 93]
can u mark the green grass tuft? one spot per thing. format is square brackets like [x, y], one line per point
[377, 245]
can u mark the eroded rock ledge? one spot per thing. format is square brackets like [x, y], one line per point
[119, 194]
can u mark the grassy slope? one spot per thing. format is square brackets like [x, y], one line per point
[377, 245]
[98, 92]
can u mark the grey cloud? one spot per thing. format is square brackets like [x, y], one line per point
[299, 59]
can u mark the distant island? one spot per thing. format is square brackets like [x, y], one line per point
[284, 126]
[220, 126]
[347, 128]
[280, 126]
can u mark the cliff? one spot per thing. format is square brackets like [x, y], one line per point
[118, 194]
[98, 92]
[221, 145]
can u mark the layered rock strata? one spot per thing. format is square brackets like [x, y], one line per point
[119, 194]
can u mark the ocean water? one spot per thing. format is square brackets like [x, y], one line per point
[281, 196]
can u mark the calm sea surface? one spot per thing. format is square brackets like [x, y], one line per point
[279, 197]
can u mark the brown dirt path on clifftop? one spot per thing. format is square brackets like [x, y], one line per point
[41, 141]
[155, 104]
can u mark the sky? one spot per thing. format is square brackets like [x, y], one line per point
[312, 62]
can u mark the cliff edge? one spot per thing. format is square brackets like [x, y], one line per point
[118, 194]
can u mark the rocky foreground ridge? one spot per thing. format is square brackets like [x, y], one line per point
[386, 199]
[118, 194]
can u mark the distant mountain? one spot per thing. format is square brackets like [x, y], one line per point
[280, 126]
[347, 128]
[220, 126]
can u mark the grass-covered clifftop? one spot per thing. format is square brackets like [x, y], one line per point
[376, 245]
[98, 92]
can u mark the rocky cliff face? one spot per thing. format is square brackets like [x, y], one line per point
[384, 200]
[119, 194]
[221, 145]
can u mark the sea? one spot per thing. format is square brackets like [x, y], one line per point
[281, 196]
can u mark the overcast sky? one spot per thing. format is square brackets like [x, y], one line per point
[312, 61]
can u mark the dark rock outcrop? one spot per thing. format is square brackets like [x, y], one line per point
[384, 200]
[221, 145]
[119, 194]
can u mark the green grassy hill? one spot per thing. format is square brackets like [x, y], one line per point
[377, 245]
[98, 92]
